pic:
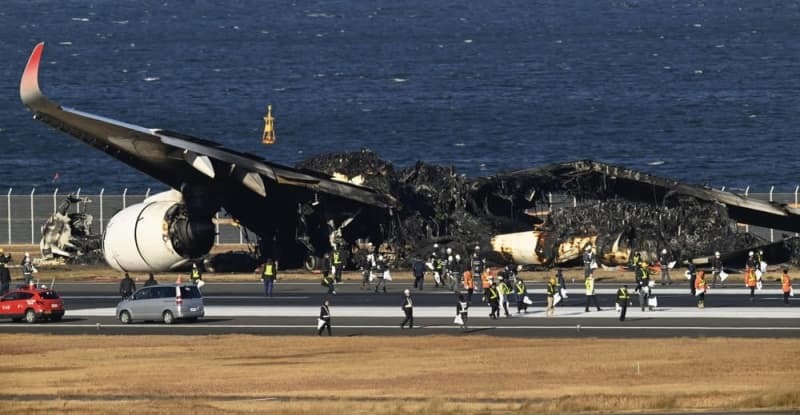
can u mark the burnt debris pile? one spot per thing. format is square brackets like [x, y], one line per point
[436, 204]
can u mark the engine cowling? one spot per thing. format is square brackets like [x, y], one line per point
[156, 235]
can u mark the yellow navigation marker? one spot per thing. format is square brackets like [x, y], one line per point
[269, 128]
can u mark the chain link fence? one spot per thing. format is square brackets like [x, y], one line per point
[22, 214]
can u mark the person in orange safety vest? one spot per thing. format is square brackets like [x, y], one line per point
[786, 285]
[700, 289]
[469, 285]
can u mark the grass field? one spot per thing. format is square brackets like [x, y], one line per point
[241, 374]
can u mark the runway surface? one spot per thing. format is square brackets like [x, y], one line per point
[242, 308]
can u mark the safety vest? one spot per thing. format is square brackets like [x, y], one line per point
[786, 283]
[493, 295]
[195, 273]
[521, 287]
[589, 284]
[503, 288]
[551, 290]
[700, 284]
[622, 294]
[336, 258]
[269, 271]
[750, 278]
[468, 282]
[485, 281]
[437, 265]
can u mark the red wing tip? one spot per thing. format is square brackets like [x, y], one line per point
[29, 85]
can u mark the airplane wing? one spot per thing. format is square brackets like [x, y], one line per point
[179, 160]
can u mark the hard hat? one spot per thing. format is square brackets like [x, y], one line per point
[588, 248]
[435, 245]
[716, 254]
[761, 252]
[664, 251]
[28, 254]
[519, 267]
[449, 250]
[477, 248]
[500, 278]
[406, 292]
[458, 257]
[380, 257]
[450, 258]
[748, 254]
[644, 263]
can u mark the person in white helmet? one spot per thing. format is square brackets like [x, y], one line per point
[380, 268]
[408, 309]
[716, 268]
[664, 259]
[27, 269]
[589, 261]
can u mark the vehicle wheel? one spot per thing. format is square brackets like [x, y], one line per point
[30, 316]
[125, 317]
[168, 317]
[311, 263]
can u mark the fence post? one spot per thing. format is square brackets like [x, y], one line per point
[550, 201]
[32, 218]
[124, 194]
[796, 189]
[77, 205]
[55, 193]
[147, 193]
[746, 226]
[8, 203]
[241, 235]
[771, 231]
[216, 227]
[101, 210]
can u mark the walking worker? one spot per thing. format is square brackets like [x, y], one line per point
[700, 287]
[522, 292]
[5, 275]
[408, 309]
[622, 301]
[469, 285]
[380, 273]
[27, 269]
[590, 293]
[324, 318]
[750, 281]
[486, 279]
[786, 285]
[337, 263]
[643, 283]
[503, 290]
[268, 276]
[493, 297]
[127, 286]
[716, 269]
[151, 280]
[365, 264]
[691, 274]
[196, 276]
[588, 260]
[328, 280]
[418, 269]
[462, 309]
[552, 289]
[664, 260]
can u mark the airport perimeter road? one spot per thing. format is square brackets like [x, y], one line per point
[241, 308]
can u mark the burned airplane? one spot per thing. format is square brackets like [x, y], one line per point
[359, 200]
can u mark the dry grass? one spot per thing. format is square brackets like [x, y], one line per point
[398, 375]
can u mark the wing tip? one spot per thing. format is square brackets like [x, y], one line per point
[29, 90]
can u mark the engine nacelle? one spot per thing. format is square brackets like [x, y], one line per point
[156, 235]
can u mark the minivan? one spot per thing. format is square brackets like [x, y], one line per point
[162, 302]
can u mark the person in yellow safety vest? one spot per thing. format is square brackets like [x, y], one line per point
[469, 285]
[700, 289]
[786, 285]
[622, 301]
[268, 276]
[552, 289]
[590, 294]
[493, 297]
[522, 292]
[504, 290]
[338, 265]
[195, 275]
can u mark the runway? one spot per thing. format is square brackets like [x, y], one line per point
[241, 307]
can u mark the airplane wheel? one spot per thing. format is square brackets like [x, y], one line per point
[311, 262]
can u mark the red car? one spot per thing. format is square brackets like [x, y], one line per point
[32, 304]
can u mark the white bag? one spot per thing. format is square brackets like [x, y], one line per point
[759, 285]
[387, 275]
[618, 307]
[563, 293]
[651, 284]
[593, 265]
[429, 265]
[320, 323]
[723, 276]
[437, 277]
[671, 264]
[652, 301]
[527, 300]
[688, 275]
[556, 299]
[758, 275]
[763, 266]
[200, 283]
[791, 291]
[458, 320]
[371, 276]
[698, 292]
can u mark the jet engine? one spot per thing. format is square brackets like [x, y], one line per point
[156, 235]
